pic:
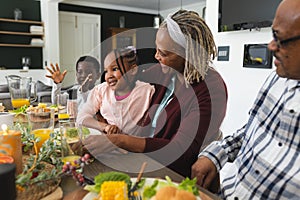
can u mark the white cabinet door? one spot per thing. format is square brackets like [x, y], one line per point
[79, 35]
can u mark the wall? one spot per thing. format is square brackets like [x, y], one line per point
[243, 83]
[110, 18]
[198, 7]
[10, 57]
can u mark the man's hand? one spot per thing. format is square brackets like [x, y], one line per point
[205, 171]
[56, 75]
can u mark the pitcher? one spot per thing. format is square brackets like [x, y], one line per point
[22, 90]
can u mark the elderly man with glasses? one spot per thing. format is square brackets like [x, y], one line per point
[266, 151]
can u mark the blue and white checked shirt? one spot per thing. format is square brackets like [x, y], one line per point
[266, 150]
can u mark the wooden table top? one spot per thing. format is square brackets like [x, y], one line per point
[128, 163]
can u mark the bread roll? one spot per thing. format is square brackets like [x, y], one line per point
[172, 193]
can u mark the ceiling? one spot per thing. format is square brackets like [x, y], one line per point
[147, 4]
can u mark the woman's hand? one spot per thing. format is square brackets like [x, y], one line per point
[112, 129]
[56, 75]
[205, 171]
[78, 148]
[99, 144]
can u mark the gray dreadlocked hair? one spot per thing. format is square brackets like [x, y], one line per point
[200, 46]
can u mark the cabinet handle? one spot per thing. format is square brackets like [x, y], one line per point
[75, 21]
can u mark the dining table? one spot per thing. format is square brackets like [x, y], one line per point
[129, 163]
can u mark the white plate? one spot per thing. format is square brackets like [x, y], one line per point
[149, 181]
[94, 131]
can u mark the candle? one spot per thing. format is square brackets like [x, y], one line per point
[7, 183]
[10, 143]
[6, 159]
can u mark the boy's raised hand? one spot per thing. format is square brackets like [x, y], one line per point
[56, 74]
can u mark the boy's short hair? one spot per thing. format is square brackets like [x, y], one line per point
[89, 59]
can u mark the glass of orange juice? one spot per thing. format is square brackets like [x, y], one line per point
[17, 103]
[43, 134]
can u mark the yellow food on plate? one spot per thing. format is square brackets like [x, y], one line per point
[41, 108]
[114, 190]
[172, 193]
[42, 105]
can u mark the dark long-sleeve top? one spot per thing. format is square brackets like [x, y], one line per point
[195, 112]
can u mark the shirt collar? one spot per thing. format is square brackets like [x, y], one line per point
[292, 84]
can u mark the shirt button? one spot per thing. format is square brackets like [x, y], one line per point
[236, 198]
[292, 111]
[280, 144]
[256, 172]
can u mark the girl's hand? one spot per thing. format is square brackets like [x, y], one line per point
[56, 74]
[112, 129]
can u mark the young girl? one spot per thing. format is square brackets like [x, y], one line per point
[122, 100]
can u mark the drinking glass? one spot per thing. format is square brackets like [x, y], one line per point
[41, 125]
[20, 89]
[41, 119]
[69, 135]
[62, 101]
[6, 118]
[43, 134]
[72, 108]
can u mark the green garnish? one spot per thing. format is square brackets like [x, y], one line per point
[108, 176]
[20, 110]
[141, 183]
[187, 185]
[150, 191]
[73, 132]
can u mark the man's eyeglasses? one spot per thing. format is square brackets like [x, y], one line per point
[282, 43]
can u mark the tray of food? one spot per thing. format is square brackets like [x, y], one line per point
[118, 184]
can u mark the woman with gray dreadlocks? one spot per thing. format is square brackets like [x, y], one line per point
[190, 97]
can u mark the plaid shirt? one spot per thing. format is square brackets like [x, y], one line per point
[266, 151]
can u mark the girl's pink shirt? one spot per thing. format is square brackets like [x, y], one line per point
[125, 113]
